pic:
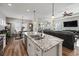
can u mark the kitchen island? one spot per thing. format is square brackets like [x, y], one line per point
[2, 43]
[46, 46]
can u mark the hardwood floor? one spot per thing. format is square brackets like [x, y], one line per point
[15, 48]
[68, 52]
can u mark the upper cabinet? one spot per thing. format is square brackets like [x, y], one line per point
[2, 21]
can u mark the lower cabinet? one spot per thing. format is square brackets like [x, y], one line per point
[30, 47]
[37, 51]
[34, 50]
[51, 52]
[2, 43]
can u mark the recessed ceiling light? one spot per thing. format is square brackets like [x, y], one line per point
[27, 10]
[9, 4]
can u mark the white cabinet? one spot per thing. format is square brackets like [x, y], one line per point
[2, 43]
[37, 51]
[30, 47]
[51, 52]
[55, 51]
[3, 40]
[34, 50]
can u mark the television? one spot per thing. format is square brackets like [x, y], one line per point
[71, 23]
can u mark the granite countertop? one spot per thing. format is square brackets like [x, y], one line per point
[47, 42]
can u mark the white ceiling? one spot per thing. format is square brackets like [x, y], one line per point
[43, 10]
[17, 10]
[60, 7]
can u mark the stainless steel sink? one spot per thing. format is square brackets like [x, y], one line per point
[36, 37]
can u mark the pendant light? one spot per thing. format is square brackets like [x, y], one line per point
[52, 10]
[34, 22]
[52, 18]
[34, 14]
[22, 21]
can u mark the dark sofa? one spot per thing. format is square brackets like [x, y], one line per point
[67, 36]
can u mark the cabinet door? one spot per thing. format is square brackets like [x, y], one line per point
[37, 51]
[51, 52]
[30, 47]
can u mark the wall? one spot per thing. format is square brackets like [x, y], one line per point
[60, 26]
[70, 19]
[57, 24]
[16, 24]
[47, 22]
[59, 17]
[69, 8]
